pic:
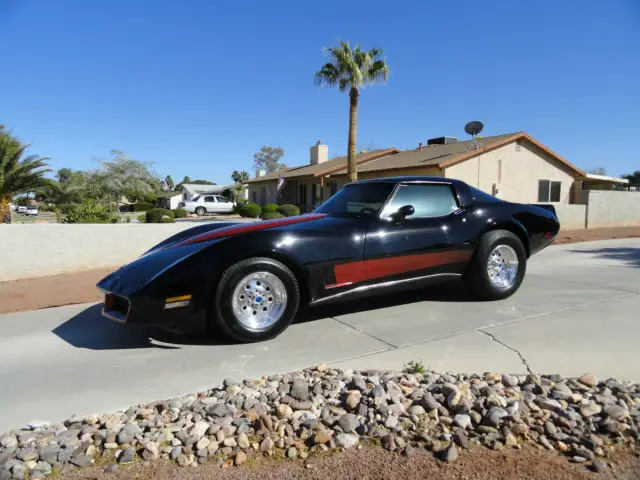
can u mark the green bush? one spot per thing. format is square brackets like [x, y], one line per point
[142, 207]
[142, 218]
[64, 208]
[155, 215]
[289, 210]
[89, 212]
[250, 210]
[270, 208]
[179, 213]
[271, 215]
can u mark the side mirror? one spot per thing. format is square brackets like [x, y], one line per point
[402, 213]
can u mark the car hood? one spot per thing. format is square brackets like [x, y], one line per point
[133, 277]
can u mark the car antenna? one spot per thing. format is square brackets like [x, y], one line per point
[473, 129]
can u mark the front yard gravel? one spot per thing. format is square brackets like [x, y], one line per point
[301, 414]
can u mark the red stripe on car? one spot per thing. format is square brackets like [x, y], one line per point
[360, 271]
[252, 227]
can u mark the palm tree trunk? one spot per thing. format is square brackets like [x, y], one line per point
[5, 209]
[352, 166]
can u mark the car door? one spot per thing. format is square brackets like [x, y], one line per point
[210, 203]
[430, 241]
[221, 204]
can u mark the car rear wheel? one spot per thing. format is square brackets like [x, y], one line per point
[256, 299]
[498, 266]
[200, 211]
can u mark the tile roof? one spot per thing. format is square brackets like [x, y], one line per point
[429, 156]
[323, 168]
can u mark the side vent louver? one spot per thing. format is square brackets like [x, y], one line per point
[328, 276]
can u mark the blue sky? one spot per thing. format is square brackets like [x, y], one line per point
[199, 86]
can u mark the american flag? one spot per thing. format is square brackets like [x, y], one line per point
[280, 186]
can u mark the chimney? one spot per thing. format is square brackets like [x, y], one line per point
[420, 146]
[319, 153]
[260, 172]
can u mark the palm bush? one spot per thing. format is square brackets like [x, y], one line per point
[18, 174]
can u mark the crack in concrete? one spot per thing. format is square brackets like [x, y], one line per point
[391, 345]
[517, 352]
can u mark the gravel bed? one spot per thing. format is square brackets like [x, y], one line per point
[300, 414]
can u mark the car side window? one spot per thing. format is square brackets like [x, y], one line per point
[220, 199]
[428, 200]
[209, 199]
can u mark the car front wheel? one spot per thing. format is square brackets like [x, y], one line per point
[498, 266]
[256, 299]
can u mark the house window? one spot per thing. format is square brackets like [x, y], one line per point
[263, 195]
[549, 190]
[334, 188]
[254, 196]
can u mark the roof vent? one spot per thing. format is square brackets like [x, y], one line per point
[442, 140]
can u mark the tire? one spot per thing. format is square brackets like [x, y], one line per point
[498, 248]
[273, 288]
[200, 211]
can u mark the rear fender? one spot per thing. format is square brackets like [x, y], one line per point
[515, 227]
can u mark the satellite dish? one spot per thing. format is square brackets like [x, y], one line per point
[473, 128]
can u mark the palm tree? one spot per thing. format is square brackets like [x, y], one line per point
[168, 181]
[17, 174]
[240, 177]
[350, 70]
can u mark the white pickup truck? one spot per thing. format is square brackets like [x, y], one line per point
[203, 204]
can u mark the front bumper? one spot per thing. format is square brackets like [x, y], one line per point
[149, 312]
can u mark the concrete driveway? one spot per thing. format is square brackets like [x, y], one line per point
[576, 311]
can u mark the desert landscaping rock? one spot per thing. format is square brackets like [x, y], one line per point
[316, 410]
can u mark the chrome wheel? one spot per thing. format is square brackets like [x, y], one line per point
[502, 266]
[200, 211]
[259, 300]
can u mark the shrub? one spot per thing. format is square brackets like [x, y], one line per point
[155, 215]
[142, 218]
[142, 207]
[414, 367]
[89, 212]
[250, 210]
[289, 210]
[269, 208]
[64, 208]
[179, 213]
[271, 215]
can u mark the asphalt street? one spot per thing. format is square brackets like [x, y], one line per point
[576, 311]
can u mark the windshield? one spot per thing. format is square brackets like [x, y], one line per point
[363, 198]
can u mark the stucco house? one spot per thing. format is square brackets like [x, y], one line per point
[513, 166]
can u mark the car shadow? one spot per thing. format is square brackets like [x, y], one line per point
[452, 291]
[628, 255]
[90, 330]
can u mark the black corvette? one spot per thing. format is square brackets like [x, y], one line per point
[250, 279]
